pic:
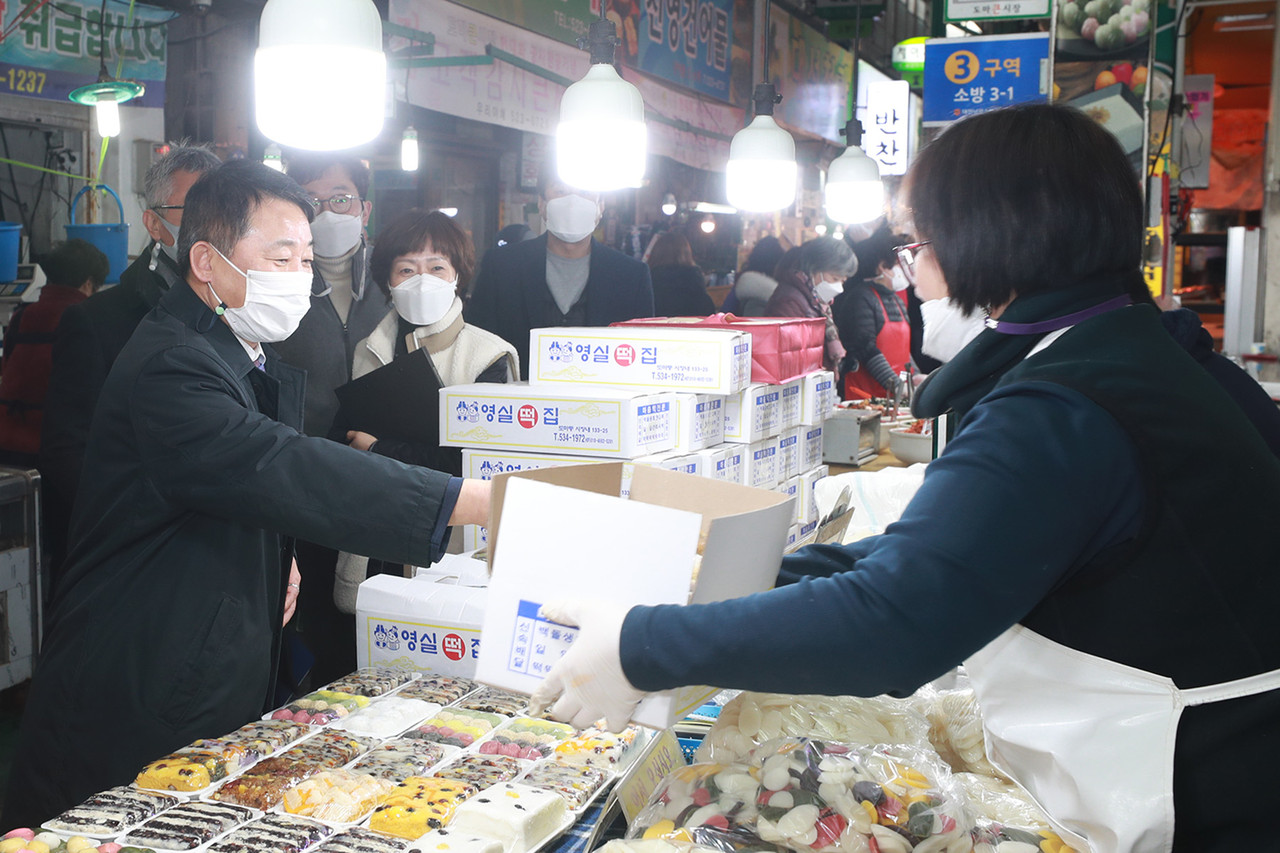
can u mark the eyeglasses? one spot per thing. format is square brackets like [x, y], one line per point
[166, 207]
[907, 256]
[337, 203]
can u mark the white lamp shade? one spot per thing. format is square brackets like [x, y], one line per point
[107, 115]
[320, 73]
[854, 191]
[761, 173]
[409, 152]
[601, 142]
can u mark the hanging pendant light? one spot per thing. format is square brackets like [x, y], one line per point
[319, 73]
[601, 142]
[106, 95]
[273, 157]
[409, 150]
[761, 174]
[854, 191]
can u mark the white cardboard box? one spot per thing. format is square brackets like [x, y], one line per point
[485, 464]
[810, 447]
[790, 488]
[760, 464]
[723, 462]
[808, 503]
[637, 551]
[642, 358]
[429, 622]
[789, 453]
[699, 421]
[598, 422]
[817, 396]
[684, 463]
[753, 413]
[792, 392]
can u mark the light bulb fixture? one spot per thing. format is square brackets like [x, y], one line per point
[669, 205]
[449, 211]
[761, 173]
[854, 191]
[105, 96]
[712, 207]
[707, 225]
[273, 157]
[601, 141]
[820, 229]
[837, 234]
[303, 97]
[409, 150]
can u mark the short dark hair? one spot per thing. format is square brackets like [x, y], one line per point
[876, 250]
[411, 232]
[821, 254]
[671, 247]
[305, 166]
[183, 156]
[1063, 204]
[764, 256]
[73, 262]
[219, 206]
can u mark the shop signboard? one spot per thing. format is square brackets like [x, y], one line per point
[996, 10]
[886, 125]
[812, 74]
[679, 137]
[964, 76]
[56, 48]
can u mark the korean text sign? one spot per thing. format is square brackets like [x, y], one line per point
[972, 75]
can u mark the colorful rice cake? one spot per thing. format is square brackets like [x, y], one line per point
[338, 796]
[418, 805]
[576, 784]
[441, 689]
[111, 812]
[273, 833]
[188, 826]
[517, 815]
[372, 681]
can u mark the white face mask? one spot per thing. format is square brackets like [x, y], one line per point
[171, 251]
[572, 218]
[335, 234]
[274, 304]
[424, 299]
[828, 290]
[898, 279]
[947, 329]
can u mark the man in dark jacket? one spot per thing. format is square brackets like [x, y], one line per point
[563, 278]
[166, 626]
[92, 334]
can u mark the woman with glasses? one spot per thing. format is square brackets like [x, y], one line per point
[871, 318]
[1096, 543]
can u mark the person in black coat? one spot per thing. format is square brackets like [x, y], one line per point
[563, 278]
[167, 624]
[92, 333]
[679, 288]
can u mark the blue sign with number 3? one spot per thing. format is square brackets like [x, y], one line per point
[971, 75]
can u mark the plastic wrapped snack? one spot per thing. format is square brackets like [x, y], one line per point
[238, 754]
[482, 770]
[189, 770]
[456, 727]
[264, 787]
[597, 747]
[713, 805]
[750, 719]
[651, 845]
[441, 689]
[494, 701]
[273, 833]
[188, 826]
[400, 758]
[321, 707]
[388, 716]
[268, 736]
[955, 728]
[449, 841]
[418, 805]
[1006, 819]
[372, 681]
[339, 796]
[575, 784]
[820, 795]
[111, 812]
[519, 816]
[526, 737]
[357, 839]
[329, 749]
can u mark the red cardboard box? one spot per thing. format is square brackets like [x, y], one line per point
[782, 348]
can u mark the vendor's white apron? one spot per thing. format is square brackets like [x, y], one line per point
[1091, 739]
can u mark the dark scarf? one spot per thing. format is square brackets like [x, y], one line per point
[960, 383]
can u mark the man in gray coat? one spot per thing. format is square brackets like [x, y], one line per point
[167, 623]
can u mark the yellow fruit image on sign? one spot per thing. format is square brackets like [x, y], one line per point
[961, 67]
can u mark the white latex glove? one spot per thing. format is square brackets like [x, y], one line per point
[588, 680]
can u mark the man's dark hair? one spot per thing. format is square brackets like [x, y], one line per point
[219, 207]
[764, 256]
[306, 166]
[1062, 204]
[411, 232]
[73, 262]
[876, 250]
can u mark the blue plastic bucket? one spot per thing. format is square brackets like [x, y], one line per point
[113, 240]
[9, 234]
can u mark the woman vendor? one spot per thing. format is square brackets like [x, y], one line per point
[871, 318]
[1094, 543]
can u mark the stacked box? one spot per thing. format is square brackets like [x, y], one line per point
[699, 421]
[723, 462]
[685, 463]
[791, 488]
[486, 464]
[810, 447]
[754, 413]
[789, 453]
[817, 396]
[808, 506]
[790, 402]
[760, 464]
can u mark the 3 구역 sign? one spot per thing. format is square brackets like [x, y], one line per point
[964, 76]
[989, 10]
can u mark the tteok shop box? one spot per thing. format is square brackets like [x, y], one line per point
[678, 539]
[710, 361]
[601, 422]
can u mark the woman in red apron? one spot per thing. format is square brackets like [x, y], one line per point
[871, 317]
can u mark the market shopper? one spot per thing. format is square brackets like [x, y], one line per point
[755, 282]
[166, 625]
[93, 332]
[809, 277]
[563, 278]
[422, 259]
[871, 319]
[679, 287]
[1098, 530]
